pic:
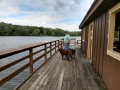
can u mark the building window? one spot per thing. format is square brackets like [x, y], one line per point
[114, 32]
[117, 33]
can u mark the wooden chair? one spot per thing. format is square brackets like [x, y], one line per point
[72, 42]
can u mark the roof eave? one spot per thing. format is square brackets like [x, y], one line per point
[98, 6]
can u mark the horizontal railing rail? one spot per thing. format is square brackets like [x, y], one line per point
[53, 45]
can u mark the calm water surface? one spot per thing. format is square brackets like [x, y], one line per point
[7, 43]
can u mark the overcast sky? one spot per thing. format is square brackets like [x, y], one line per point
[64, 14]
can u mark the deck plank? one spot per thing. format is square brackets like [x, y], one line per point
[35, 76]
[57, 74]
[44, 75]
[78, 73]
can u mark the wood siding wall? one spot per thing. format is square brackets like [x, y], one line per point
[85, 43]
[99, 40]
[107, 67]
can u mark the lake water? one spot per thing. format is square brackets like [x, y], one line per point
[7, 43]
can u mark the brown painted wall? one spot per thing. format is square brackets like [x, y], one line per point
[111, 73]
[106, 66]
[82, 43]
[100, 25]
[85, 43]
[86, 40]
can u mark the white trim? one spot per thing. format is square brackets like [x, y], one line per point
[110, 36]
[113, 11]
[114, 54]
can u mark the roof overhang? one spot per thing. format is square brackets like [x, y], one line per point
[97, 8]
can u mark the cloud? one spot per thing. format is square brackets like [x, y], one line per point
[64, 14]
[7, 8]
[68, 27]
[41, 21]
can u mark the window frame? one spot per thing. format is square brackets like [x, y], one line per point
[111, 29]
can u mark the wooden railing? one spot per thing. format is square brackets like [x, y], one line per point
[54, 45]
[78, 42]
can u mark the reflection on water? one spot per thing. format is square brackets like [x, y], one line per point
[7, 43]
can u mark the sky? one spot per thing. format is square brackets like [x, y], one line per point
[63, 14]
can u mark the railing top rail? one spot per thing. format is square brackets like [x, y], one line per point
[21, 49]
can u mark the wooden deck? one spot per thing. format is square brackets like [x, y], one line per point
[57, 74]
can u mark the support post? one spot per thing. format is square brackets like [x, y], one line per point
[50, 49]
[58, 44]
[31, 60]
[62, 42]
[55, 46]
[45, 52]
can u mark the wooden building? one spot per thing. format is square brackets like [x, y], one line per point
[101, 40]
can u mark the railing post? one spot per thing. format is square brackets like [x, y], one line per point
[58, 44]
[45, 51]
[55, 46]
[50, 49]
[62, 42]
[31, 60]
[77, 42]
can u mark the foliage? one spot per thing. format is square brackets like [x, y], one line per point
[17, 30]
[116, 34]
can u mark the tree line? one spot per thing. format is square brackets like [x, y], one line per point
[19, 30]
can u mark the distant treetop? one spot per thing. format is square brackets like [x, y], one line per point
[18, 30]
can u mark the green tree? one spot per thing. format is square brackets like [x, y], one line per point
[17, 30]
[36, 32]
[7, 31]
